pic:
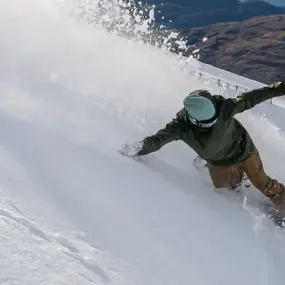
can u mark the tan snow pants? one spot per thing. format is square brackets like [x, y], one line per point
[223, 176]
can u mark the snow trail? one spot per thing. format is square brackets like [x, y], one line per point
[74, 211]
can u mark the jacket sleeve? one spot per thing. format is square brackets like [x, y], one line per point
[171, 132]
[249, 99]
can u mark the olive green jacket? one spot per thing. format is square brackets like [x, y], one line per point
[227, 142]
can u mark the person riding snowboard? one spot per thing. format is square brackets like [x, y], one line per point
[206, 123]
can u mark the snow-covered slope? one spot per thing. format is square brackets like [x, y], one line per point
[72, 210]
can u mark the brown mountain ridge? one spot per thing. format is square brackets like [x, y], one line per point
[254, 48]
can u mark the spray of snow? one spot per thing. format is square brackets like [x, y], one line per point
[73, 210]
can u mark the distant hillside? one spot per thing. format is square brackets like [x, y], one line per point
[186, 14]
[254, 48]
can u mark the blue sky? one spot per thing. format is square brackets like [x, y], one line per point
[275, 2]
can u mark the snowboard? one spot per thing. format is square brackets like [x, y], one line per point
[258, 208]
[261, 206]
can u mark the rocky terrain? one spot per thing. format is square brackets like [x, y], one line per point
[244, 37]
[254, 48]
[185, 14]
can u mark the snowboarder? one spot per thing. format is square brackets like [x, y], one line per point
[206, 123]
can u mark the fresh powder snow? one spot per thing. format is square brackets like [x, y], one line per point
[75, 211]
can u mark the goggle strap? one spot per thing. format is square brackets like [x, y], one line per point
[201, 124]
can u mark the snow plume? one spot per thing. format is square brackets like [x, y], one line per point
[128, 18]
[75, 211]
[122, 17]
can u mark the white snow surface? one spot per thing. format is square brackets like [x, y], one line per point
[72, 209]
